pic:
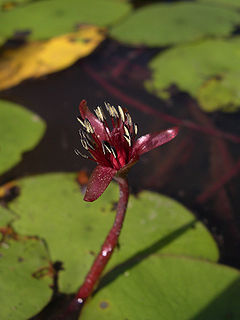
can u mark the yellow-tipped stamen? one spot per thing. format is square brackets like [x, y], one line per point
[88, 126]
[108, 107]
[111, 111]
[84, 144]
[127, 133]
[81, 121]
[114, 152]
[135, 129]
[78, 153]
[129, 119]
[89, 144]
[120, 110]
[128, 139]
[115, 113]
[106, 146]
[100, 114]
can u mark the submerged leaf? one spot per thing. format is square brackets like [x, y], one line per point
[36, 59]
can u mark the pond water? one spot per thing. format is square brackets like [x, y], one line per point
[200, 168]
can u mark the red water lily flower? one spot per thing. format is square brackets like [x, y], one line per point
[115, 150]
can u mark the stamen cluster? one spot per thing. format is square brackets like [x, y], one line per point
[110, 147]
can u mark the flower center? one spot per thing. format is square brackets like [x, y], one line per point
[108, 147]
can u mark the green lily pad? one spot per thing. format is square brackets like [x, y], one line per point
[168, 288]
[46, 19]
[175, 23]
[22, 293]
[6, 216]
[10, 4]
[232, 3]
[20, 131]
[209, 71]
[220, 93]
[51, 206]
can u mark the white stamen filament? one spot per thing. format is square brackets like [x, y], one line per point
[88, 126]
[129, 119]
[80, 120]
[120, 110]
[126, 131]
[84, 144]
[128, 139]
[135, 129]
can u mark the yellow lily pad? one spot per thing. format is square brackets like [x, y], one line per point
[39, 58]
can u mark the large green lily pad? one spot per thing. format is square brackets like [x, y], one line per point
[164, 287]
[22, 293]
[46, 19]
[20, 131]
[175, 23]
[51, 206]
[208, 70]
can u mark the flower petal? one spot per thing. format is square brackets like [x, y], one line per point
[97, 125]
[98, 182]
[153, 140]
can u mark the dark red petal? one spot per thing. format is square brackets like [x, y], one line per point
[98, 182]
[96, 124]
[153, 140]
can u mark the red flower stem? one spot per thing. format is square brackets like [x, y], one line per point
[107, 249]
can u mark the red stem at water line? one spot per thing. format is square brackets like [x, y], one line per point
[106, 251]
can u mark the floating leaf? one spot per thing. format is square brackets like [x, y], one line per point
[51, 206]
[46, 19]
[11, 4]
[5, 189]
[164, 287]
[208, 70]
[174, 23]
[39, 58]
[220, 93]
[6, 217]
[22, 293]
[20, 131]
[232, 3]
